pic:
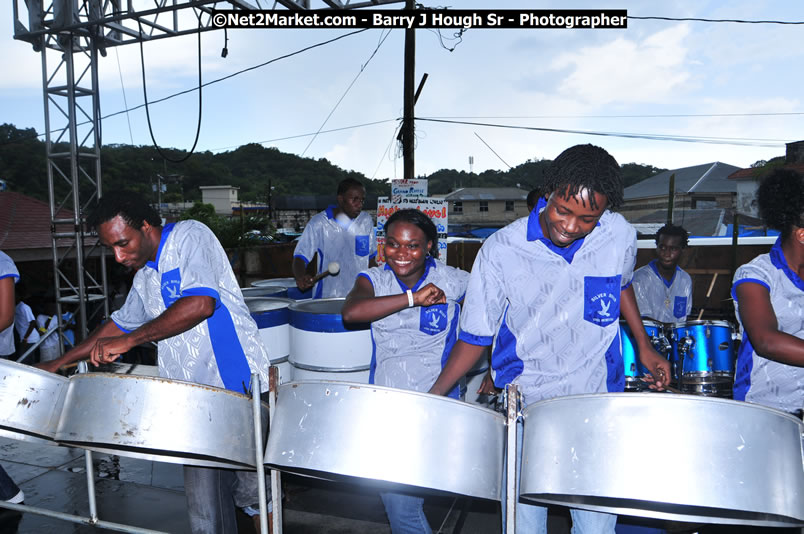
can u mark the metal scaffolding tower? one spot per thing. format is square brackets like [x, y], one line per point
[70, 34]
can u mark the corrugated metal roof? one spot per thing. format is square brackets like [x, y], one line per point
[25, 223]
[752, 173]
[487, 193]
[706, 178]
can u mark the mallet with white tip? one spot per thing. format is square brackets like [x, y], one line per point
[332, 269]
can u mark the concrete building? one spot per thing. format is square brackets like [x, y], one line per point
[747, 180]
[486, 206]
[222, 197]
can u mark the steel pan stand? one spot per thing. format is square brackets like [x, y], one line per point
[93, 519]
[511, 418]
[276, 481]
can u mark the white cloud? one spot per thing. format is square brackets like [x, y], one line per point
[626, 71]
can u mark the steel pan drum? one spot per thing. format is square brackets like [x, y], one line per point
[159, 419]
[285, 287]
[30, 402]
[728, 462]
[338, 429]
[272, 318]
[322, 347]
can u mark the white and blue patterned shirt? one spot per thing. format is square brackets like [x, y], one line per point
[351, 248]
[758, 379]
[551, 312]
[410, 347]
[668, 302]
[221, 351]
[7, 270]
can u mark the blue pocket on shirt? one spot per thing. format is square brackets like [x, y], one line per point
[680, 307]
[171, 286]
[601, 299]
[362, 245]
[433, 319]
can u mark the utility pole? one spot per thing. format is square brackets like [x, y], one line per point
[408, 98]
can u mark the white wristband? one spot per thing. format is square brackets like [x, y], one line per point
[410, 298]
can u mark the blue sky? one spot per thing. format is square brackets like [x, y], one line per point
[640, 80]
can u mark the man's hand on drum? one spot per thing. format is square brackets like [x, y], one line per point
[429, 295]
[108, 349]
[487, 386]
[659, 368]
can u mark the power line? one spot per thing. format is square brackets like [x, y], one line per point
[648, 116]
[493, 151]
[738, 21]
[297, 136]
[186, 91]
[338, 103]
[653, 137]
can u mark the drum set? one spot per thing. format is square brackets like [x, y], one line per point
[701, 353]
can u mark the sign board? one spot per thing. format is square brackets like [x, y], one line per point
[435, 208]
[401, 189]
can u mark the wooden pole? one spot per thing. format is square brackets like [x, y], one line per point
[671, 196]
[409, 98]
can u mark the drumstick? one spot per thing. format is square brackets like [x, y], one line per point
[668, 388]
[332, 269]
[708, 293]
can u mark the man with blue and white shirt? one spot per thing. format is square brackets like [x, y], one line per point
[547, 291]
[9, 275]
[663, 289]
[343, 234]
[185, 297]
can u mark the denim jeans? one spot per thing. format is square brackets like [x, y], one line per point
[405, 513]
[532, 519]
[212, 495]
[8, 488]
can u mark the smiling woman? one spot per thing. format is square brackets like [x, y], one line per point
[413, 304]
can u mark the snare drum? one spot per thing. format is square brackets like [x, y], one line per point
[633, 367]
[703, 357]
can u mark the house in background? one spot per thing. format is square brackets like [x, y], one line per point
[703, 200]
[747, 180]
[485, 207]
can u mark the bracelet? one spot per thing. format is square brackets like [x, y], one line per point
[410, 298]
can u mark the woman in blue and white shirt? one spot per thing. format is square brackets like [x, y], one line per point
[769, 300]
[413, 306]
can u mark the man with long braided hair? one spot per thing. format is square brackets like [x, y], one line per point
[547, 291]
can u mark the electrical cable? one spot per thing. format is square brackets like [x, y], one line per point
[493, 151]
[145, 97]
[653, 137]
[125, 101]
[738, 21]
[362, 68]
[308, 134]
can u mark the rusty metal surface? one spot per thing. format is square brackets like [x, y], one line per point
[30, 402]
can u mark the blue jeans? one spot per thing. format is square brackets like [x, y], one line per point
[405, 513]
[8, 488]
[212, 495]
[532, 519]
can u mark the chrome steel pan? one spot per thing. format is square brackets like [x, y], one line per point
[727, 462]
[333, 429]
[30, 402]
[159, 419]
